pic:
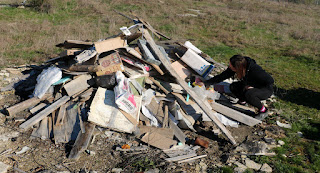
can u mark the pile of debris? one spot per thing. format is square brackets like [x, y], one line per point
[129, 83]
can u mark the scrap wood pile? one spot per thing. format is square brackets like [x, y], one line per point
[127, 83]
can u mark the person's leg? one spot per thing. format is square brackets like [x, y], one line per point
[237, 88]
[255, 95]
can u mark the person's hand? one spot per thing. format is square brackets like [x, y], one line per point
[248, 87]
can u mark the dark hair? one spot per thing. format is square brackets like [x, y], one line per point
[240, 64]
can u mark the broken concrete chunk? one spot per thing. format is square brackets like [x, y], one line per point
[3, 167]
[253, 165]
[266, 168]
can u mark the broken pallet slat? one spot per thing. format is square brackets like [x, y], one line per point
[82, 141]
[44, 112]
[184, 85]
[26, 104]
[77, 85]
[178, 133]
[238, 116]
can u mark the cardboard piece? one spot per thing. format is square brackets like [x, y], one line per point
[158, 140]
[109, 44]
[109, 64]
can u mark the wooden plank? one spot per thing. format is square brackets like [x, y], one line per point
[165, 132]
[109, 44]
[174, 159]
[184, 85]
[79, 84]
[182, 71]
[38, 108]
[159, 85]
[178, 133]
[238, 116]
[26, 104]
[82, 141]
[61, 115]
[44, 112]
[166, 116]
[193, 158]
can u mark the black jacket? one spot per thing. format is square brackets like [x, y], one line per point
[255, 76]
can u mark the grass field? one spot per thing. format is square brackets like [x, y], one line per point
[284, 38]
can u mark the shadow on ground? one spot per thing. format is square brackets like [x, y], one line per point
[300, 96]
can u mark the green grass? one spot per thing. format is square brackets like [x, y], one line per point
[277, 35]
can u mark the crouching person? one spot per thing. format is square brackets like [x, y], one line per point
[254, 83]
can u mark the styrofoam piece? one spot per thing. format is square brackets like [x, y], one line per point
[197, 63]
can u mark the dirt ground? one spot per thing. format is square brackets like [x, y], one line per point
[101, 156]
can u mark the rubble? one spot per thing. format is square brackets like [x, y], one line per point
[128, 84]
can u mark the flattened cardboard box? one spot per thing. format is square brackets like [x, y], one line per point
[110, 64]
[109, 44]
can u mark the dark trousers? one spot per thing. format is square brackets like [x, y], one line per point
[252, 96]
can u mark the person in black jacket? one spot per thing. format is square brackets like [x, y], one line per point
[254, 83]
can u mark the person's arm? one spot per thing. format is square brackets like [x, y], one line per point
[221, 77]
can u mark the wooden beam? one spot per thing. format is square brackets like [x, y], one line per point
[77, 85]
[44, 112]
[184, 85]
[82, 141]
[26, 104]
[231, 113]
[174, 159]
[159, 85]
[192, 158]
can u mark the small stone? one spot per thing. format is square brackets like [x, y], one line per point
[300, 134]
[253, 165]
[3, 167]
[270, 140]
[241, 167]
[203, 166]
[239, 148]
[281, 142]
[116, 170]
[266, 168]
[156, 170]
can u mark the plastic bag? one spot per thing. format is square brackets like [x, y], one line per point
[123, 95]
[47, 77]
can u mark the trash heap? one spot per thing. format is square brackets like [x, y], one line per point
[129, 83]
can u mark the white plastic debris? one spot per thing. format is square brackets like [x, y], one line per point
[47, 77]
[23, 150]
[288, 126]
[148, 114]
[125, 31]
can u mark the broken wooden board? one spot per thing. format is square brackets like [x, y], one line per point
[238, 116]
[37, 108]
[184, 85]
[104, 112]
[79, 84]
[69, 52]
[178, 133]
[42, 131]
[158, 140]
[165, 132]
[241, 108]
[109, 44]
[26, 104]
[182, 71]
[82, 141]
[68, 44]
[44, 112]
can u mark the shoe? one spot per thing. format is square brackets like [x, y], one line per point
[86, 55]
[262, 115]
[240, 102]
